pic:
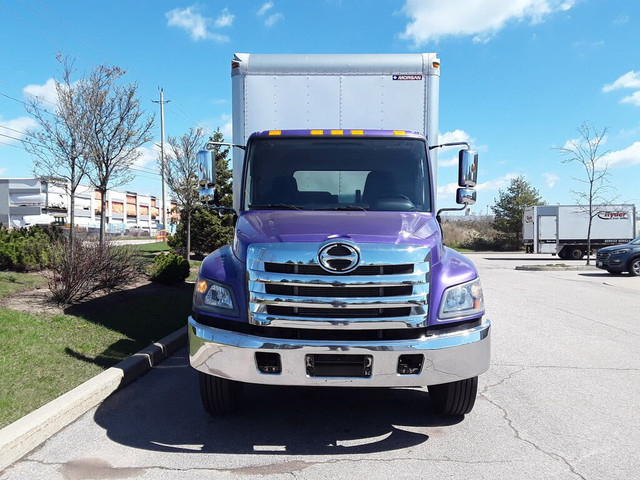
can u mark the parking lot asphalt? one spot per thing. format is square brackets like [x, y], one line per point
[559, 401]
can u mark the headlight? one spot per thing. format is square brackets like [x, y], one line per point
[212, 296]
[462, 300]
[621, 251]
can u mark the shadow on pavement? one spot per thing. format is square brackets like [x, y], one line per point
[143, 315]
[162, 412]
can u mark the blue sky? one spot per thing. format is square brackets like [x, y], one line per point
[518, 77]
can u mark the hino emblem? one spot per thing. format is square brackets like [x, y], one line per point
[339, 257]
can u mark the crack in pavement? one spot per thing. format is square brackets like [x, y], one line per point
[518, 436]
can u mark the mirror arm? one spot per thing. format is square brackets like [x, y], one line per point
[211, 145]
[454, 144]
[449, 210]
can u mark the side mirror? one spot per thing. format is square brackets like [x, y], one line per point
[467, 168]
[207, 175]
[466, 196]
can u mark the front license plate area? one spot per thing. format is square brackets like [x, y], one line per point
[331, 365]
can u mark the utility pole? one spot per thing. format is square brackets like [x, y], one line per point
[164, 208]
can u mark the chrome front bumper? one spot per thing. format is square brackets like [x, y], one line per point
[447, 358]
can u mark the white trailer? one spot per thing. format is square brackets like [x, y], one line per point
[562, 229]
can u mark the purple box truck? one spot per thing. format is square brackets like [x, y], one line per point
[337, 274]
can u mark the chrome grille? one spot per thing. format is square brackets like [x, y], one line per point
[289, 288]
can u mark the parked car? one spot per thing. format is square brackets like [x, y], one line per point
[620, 258]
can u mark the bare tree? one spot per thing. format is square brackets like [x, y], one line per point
[587, 152]
[181, 171]
[59, 146]
[116, 130]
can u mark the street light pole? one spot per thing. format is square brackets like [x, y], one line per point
[162, 168]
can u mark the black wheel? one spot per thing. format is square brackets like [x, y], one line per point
[219, 395]
[634, 267]
[455, 398]
[575, 253]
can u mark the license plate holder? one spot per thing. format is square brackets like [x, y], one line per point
[339, 365]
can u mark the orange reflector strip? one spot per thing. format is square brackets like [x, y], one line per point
[317, 132]
[337, 132]
[275, 132]
[399, 132]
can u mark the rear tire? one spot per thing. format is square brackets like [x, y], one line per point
[455, 398]
[575, 253]
[634, 267]
[219, 395]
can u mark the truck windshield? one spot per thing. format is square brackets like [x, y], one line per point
[304, 173]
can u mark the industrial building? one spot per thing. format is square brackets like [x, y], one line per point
[37, 201]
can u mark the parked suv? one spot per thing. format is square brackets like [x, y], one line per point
[620, 258]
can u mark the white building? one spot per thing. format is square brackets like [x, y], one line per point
[34, 201]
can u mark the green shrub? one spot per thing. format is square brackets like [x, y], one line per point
[169, 268]
[24, 249]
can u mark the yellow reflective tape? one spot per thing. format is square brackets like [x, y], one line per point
[317, 132]
[399, 132]
[337, 132]
[275, 132]
[357, 132]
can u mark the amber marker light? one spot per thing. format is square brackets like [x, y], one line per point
[201, 286]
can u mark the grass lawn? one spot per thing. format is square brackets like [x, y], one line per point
[44, 355]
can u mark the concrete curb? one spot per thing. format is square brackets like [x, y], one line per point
[25, 434]
[551, 268]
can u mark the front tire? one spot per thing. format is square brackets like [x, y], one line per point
[455, 398]
[219, 395]
[634, 267]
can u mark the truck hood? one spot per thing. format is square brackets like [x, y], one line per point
[317, 226]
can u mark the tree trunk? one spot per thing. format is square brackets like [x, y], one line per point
[188, 246]
[103, 214]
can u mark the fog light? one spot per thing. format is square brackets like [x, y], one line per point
[268, 363]
[410, 364]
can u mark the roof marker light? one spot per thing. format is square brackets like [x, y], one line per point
[337, 132]
[399, 132]
[357, 132]
[317, 132]
[275, 132]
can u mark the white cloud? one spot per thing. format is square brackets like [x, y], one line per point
[16, 128]
[497, 183]
[628, 80]
[46, 93]
[225, 19]
[272, 19]
[433, 19]
[265, 8]
[624, 158]
[633, 99]
[550, 179]
[196, 25]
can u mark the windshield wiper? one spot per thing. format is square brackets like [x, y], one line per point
[276, 206]
[347, 207]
